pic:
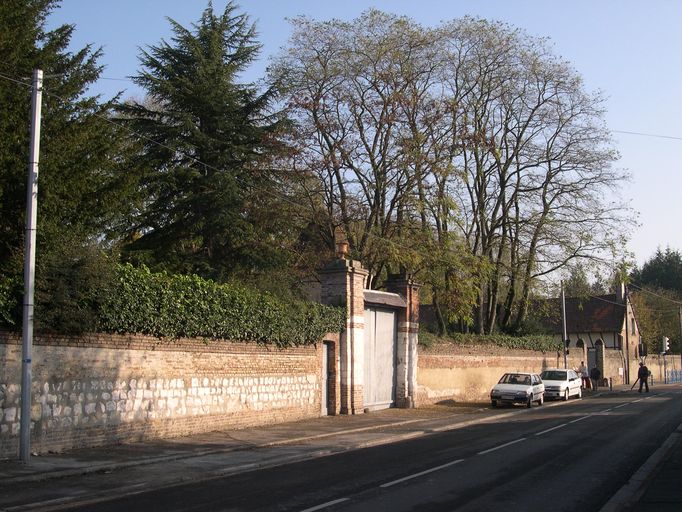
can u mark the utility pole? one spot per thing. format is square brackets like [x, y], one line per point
[563, 321]
[29, 268]
[680, 314]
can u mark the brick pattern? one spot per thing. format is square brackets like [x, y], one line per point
[103, 389]
[342, 282]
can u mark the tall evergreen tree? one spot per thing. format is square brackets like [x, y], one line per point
[662, 270]
[205, 140]
[81, 195]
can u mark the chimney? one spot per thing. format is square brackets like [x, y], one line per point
[620, 292]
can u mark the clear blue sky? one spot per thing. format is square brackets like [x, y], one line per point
[630, 49]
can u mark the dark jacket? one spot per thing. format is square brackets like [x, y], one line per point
[595, 373]
[643, 372]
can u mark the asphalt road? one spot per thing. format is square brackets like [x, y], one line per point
[562, 456]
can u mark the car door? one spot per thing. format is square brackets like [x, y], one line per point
[574, 382]
[538, 387]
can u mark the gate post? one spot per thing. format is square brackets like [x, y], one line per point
[343, 282]
[408, 338]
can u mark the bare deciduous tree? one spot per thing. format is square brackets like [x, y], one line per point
[467, 152]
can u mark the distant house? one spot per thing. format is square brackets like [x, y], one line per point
[594, 321]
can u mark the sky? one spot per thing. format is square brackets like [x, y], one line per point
[628, 49]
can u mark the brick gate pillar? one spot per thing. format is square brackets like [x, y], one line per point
[343, 282]
[408, 337]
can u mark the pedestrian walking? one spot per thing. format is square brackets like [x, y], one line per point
[643, 376]
[584, 375]
[595, 375]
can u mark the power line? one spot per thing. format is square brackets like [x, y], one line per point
[130, 80]
[288, 200]
[242, 182]
[606, 300]
[16, 81]
[188, 156]
[643, 290]
[642, 134]
[602, 299]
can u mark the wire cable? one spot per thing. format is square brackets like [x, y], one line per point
[642, 134]
[270, 192]
[644, 290]
[294, 203]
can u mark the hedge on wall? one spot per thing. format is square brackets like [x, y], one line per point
[541, 343]
[188, 306]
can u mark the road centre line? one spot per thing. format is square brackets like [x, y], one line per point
[501, 446]
[422, 473]
[550, 429]
[325, 505]
[458, 461]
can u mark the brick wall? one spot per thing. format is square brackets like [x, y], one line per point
[102, 389]
[467, 374]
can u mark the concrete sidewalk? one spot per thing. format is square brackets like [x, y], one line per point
[655, 487]
[662, 491]
[346, 432]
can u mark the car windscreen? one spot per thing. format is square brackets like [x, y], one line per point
[553, 375]
[515, 378]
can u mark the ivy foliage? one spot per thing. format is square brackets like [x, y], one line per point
[539, 343]
[174, 306]
[9, 301]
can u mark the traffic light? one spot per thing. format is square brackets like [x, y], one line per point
[666, 344]
[642, 350]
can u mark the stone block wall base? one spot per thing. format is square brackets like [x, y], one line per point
[405, 403]
[351, 410]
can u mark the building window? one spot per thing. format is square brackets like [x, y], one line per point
[632, 326]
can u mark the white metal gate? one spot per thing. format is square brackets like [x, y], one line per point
[380, 358]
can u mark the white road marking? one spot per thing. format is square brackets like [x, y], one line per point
[410, 477]
[550, 429]
[501, 446]
[621, 405]
[325, 505]
[56, 501]
[579, 419]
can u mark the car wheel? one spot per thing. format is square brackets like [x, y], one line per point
[493, 403]
[529, 404]
[566, 395]
[542, 399]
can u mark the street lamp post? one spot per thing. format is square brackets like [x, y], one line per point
[29, 269]
[563, 318]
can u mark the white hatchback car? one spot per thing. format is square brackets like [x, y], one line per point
[561, 383]
[518, 388]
